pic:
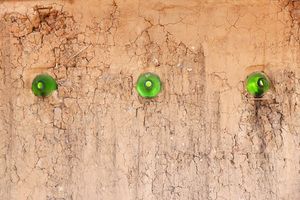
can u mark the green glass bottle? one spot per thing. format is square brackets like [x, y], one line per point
[148, 85]
[257, 84]
[43, 85]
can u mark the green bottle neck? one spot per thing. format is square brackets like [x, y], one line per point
[40, 85]
[262, 82]
[148, 84]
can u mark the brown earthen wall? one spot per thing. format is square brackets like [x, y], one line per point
[202, 137]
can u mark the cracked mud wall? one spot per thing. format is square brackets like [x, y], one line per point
[200, 138]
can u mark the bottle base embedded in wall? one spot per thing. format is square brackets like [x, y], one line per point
[43, 85]
[257, 84]
[148, 85]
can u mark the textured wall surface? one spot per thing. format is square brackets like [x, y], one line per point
[202, 137]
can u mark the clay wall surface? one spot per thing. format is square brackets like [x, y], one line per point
[202, 137]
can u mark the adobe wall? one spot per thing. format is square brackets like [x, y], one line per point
[202, 137]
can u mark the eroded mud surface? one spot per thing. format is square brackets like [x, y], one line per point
[202, 137]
